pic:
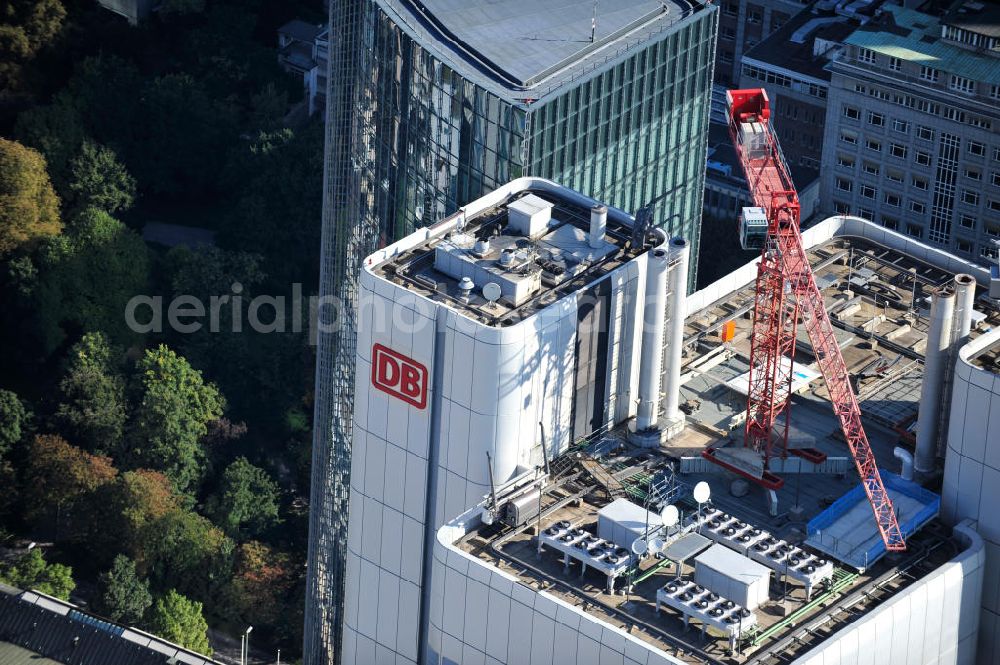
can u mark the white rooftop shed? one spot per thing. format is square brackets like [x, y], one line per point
[732, 576]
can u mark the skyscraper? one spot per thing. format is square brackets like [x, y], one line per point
[432, 105]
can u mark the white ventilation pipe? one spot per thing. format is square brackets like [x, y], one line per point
[598, 226]
[965, 300]
[906, 459]
[678, 256]
[651, 358]
[935, 364]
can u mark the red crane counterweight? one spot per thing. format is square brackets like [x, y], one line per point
[786, 288]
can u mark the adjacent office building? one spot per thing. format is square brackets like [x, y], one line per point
[438, 103]
[912, 136]
[744, 24]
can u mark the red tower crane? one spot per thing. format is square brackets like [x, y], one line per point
[785, 290]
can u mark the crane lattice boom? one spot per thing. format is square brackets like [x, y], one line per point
[785, 288]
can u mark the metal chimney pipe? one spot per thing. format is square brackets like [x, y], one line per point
[651, 359]
[679, 254]
[598, 225]
[906, 460]
[965, 299]
[935, 364]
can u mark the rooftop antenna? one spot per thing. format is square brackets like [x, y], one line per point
[492, 293]
[593, 24]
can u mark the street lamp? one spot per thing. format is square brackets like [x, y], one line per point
[245, 646]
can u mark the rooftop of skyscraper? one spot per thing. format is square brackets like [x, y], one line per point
[530, 47]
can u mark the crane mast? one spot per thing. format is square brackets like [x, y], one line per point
[785, 290]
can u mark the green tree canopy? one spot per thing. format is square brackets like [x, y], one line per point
[130, 505]
[32, 572]
[25, 27]
[29, 207]
[186, 550]
[247, 500]
[13, 419]
[179, 620]
[87, 278]
[173, 408]
[124, 597]
[99, 180]
[56, 131]
[92, 408]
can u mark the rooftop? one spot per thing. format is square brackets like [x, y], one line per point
[916, 37]
[979, 16]
[300, 30]
[877, 297]
[524, 45]
[533, 246]
[804, 44]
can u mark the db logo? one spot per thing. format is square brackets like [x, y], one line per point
[399, 376]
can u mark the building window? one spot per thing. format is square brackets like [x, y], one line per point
[995, 91]
[890, 222]
[866, 55]
[973, 174]
[895, 64]
[996, 154]
[753, 15]
[919, 183]
[967, 222]
[962, 84]
[925, 133]
[970, 197]
[994, 205]
[849, 138]
[897, 150]
[870, 168]
[917, 207]
[989, 251]
[865, 213]
[923, 158]
[873, 145]
[992, 230]
[876, 119]
[929, 73]
[964, 246]
[914, 230]
[995, 179]
[868, 192]
[893, 175]
[727, 34]
[844, 185]
[726, 57]
[900, 126]
[841, 208]
[976, 148]
[892, 200]
[845, 161]
[851, 112]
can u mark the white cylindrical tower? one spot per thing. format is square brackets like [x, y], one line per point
[651, 359]
[678, 257]
[598, 225]
[936, 358]
[965, 298]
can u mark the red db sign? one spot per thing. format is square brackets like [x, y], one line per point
[401, 377]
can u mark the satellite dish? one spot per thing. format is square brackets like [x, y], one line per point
[670, 515]
[491, 292]
[702, 491]
[657, 545]
[639, 546]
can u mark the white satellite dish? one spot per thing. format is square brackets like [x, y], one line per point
[639, 546]
[702, 491]
[657, 545]
[491, 292]
[670, 515]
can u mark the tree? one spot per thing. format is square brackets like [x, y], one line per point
[88, 277]
[261, 585]
[186, 550]
[25, 27]
[99, 180]
[31, 572]
[173, 408]
[93, 406]
[56, 131]
[13, 418]
[131, 505]
[247, 500]
[124, 598]
[179, 620]
[58, 476]
[29, 207]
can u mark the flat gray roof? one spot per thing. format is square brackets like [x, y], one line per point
[521, 43]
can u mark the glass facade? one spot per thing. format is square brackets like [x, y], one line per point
[409, 139]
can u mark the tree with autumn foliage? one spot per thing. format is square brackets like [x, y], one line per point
[29, 207]
[262, 581]
[59, 477]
